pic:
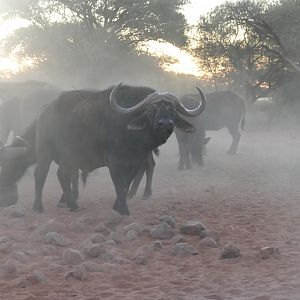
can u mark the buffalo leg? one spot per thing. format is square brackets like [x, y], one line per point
[122, 178]
[40, 175]
[66, 175]
[184, 159]
[150, 165]
[75, 179]
[136, 182]
[235, 140]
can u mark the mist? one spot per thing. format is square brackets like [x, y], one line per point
[221, 224]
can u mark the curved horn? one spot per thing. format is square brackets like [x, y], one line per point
[11, 152]
[193, 112]
[126, 110]
[189, 112]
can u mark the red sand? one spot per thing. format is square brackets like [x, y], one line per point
[251, 199]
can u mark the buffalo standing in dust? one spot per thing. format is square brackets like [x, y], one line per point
[18, 113]
[223, 109]
[116, 127]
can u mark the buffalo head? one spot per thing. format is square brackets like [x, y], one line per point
[159, 113]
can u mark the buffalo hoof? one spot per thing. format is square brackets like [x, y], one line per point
[38, 207]
[147, 196]
[122, 211]
[130, 195]
[9, 195]
[61, 204]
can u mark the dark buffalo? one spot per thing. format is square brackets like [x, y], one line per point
[18, 113]
[223, 109]
[11, 89]
[148, 168]
[86, 130]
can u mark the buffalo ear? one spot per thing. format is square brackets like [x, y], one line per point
[137, 124]
[184, 125]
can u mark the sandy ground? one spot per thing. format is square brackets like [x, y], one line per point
[251, 200]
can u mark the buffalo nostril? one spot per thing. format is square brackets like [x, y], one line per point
[166, 123]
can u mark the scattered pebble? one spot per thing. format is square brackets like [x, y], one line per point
[210, 233]
[58, 239]
[72, 257]
[230, 251]
[184, 249]
[78, 272]
[162, 231]
[178, 238]
[208, 242]
[95, 250]
[168, 219]
[192, 228]
[268, 252]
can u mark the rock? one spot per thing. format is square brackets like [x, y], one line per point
[138, 228]
[47, 250]
[192, 228]
[144, 251]
[58, 239]
[268, 252]
[168, 219]
[14, 211]
[51, 226]
[85, 245]
[107, 256]
[72, 257]
[116, 236]
[210, 233]
[184, 249]
[178, 238]
[36, 278]
[110, 243]
[208, 242]
[19, 256]
[102, 229]
[95, 250]
[143, 254]
[162, 231]
[22, 282]
[5, 244]
[131, 235]
[97, 238]
[77, 226]
[230, 251]
[141, 260]
[113, 219]
[156, 245]
[89, 220]
[8, 267]
[92, 266]
[79, 272]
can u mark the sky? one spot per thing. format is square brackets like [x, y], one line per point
[186, 64]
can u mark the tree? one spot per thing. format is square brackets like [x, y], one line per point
[233, 53]
[92, 36]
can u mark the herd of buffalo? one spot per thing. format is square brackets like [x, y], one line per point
[119, 127]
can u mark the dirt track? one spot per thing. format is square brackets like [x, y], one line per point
[251, 199]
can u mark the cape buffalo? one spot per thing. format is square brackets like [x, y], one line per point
[223, 109]
[21, 89]
[18, 113]
[86, 130]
